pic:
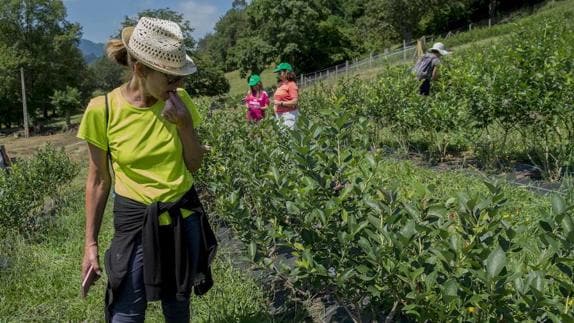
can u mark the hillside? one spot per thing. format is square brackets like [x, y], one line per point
[90, 50]
[457, 41]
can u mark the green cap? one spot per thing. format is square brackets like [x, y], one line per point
[283, 67]
[254, 80]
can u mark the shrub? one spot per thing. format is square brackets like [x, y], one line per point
[29, 185]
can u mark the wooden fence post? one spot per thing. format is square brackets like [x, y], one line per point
[347, 68]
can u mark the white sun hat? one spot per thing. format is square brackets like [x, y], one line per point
[159, 44]
[439, 47]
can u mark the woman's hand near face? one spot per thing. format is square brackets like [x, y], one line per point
[176, 112]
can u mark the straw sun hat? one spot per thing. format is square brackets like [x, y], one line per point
[159, 44]
[439, 47]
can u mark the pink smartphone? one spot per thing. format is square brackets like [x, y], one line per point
[90, 278]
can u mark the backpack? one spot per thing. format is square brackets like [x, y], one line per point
[423, 68]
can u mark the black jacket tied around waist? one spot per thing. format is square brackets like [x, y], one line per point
[168, 271]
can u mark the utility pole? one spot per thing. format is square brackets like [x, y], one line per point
[24, 106]
[492, 4]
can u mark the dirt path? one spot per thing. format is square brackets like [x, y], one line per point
[24, 147]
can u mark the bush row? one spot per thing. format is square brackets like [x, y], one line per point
[28, 187]
[510, 100]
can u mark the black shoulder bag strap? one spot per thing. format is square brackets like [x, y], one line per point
[107, 126]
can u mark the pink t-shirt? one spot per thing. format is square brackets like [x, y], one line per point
[254, 102]
[255, 105]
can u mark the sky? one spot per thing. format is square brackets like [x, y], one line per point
[101, 18]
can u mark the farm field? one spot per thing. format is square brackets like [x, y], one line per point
[331, 211]
[337, 211]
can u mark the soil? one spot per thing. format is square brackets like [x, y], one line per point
[20, 147]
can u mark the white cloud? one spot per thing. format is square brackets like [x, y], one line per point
[201, 15]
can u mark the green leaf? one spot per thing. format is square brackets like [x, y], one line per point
[545, 225]
[292, 208]
[345, 193]
[451, 288]
[275, 174]
[365, 245]
[536, 280]
[408, 230]
[455, 242]
[437, 211]
[252, 250]
[360, 227]
[557, 205]
[371, 161]
[567, 224]
[362, 269]
[374, 291]
[565, 269]
[495, 262]
[374, 205]
[347, 274]
[376, 222]
[344, 216]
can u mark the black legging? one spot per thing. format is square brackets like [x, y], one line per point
[425, 87]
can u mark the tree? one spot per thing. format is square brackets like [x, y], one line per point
[38, 31]
[106, 75]
[302, 32]
[10, 96]
[67, 102]
[405, 15]
[209, 79]
[251, 55]
[239, 4]
[375, 31]
[227, 31]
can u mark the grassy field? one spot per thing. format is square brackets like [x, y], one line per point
[239, 86]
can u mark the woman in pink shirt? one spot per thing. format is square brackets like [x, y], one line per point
[256, 100]
[286, 96]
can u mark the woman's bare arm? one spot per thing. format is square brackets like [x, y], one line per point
[98, 186]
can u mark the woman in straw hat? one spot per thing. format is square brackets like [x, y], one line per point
[162, 245]
[256, 100]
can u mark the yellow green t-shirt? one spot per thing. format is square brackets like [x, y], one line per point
[147, 154]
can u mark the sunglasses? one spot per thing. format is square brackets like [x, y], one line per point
[172, 79]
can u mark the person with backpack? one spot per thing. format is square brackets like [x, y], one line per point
[426, 68]
[162, 245]
[257, 100]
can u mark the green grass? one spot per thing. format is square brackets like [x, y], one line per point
[238, 86]
[61, 121]
[42, 279]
